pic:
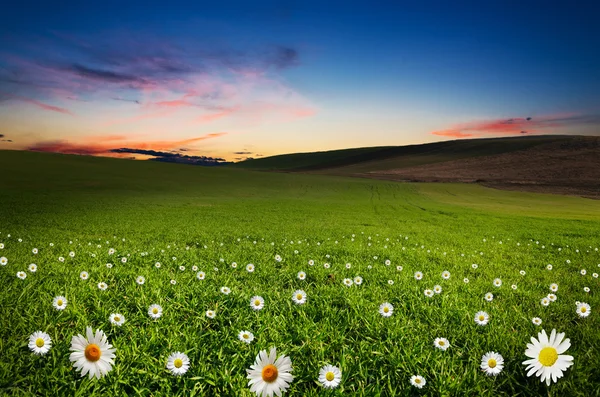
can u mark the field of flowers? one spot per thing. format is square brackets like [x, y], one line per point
[318, 286]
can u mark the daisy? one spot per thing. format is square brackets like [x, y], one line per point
[388, 262]
[386, 309]
[246, 336]
[59, 303]
[552, 297]
[586, 289]
[358, 280]
[109, 265]
[330, 376]
[522, 272]
[194, 268]
[441, 343]
[225, 290]
[21, 275]
[178, 363]
[492, 363]
[549, 267]
[157, 265]
[117, 319]
[583, 309]
[474, 266]
[391, 282]
[210, 314]
[583, 272]
[72, 254]
[311, 262]
[3, 261]
[446, 275]
[348, 282]
[348, 265]
[301, 275]
[173, 282]
[40, 343]
[111, 251]
[546, 358]
[595, 275]
[182, 268]
[536, 321]
[399, 268]
[102, 286]
[553, 287]
[466, 280]
[201, 275]
[84, 275]
[417, 381]
[278, 258]
[514, 286]
[140, 280]
[429, 293]
[155, 311]
[326, 265]
[299, 297]
[489, 297]
[270, 374]
[33, 268]
[482, 318]
[545, 301]
[497, 282]
[418, 276]
[123, 260]
[437, 289]
[93, 355]
[250, 267]
[257, 302]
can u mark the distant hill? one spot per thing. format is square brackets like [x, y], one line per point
[563, 164]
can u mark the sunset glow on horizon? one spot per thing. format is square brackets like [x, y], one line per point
[234, 81]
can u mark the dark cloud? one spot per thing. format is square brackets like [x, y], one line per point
[125, 100]
[173, 157]
[284, 57]
[242, 152]
[1, 135]
[523, 132]
[104, 75]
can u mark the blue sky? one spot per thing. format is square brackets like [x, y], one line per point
[265, 78]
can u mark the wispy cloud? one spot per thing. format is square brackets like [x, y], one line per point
[518, 126]
[37, 103]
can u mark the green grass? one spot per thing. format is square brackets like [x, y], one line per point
[47, 198]
[349, 161]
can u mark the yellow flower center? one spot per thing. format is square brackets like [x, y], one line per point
[548, 356]
[59, 302]
[117, 319]
[583, 309]
[441, 343]
[178, 363]
[417, 380]
[481, 318]
[256, 302]
[155, 311]
[492, 363]
[269, 373]
[92, 352]
[299, 296]
[39, 342]
[386, 309]
[245, 336]
[329, 376]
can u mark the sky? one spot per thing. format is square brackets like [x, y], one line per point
[230, 80]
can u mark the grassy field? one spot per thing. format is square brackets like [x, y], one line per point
[189, 216]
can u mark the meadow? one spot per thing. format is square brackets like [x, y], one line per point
[192, 220]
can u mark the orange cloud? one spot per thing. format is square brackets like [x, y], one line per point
[207, 118]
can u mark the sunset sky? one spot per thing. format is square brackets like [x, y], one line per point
[242, 79]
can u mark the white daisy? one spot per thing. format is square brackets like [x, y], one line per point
[270, 374]
[157, 265]
[246, 336]
[201, 275]
[117, 319]
[417, 381]
[399, 268]
[194, 268]
[123, 260]
[102, 286]
[109, 265]
[595, 275]
[441, 343]
[348, 282]
[482, 318]
[586, 289]
[60, 303]
[178, 363]
[492, 363]
[72, 254]
[391, 282]
[93, 355]
[446, 275]
[84, 275]
[418, 275]
[545, 301]
[497, 282]
[474, 266]
[257, 302]
[33, 268]
[552, 297]
[522, 272]
[326, 265]
[155, 311]
[140, 280]
[111, 251]
[225, 290]
[3, 261]
[514, 286]
[210, 314]
[549, 267]
[428, 293]
[299, 297]
[553, 287]
[301, 275]
[547, 360]
[583, 272]
[466, 280]
[348, 266]
[386, 309]
[330, 376]
[173, 282]
[536, 321]
[583, 309]
[387, 262]
[278, 258]
[22, 275]
[311, 262]
[489, 297]
[34, 251]
[250, 267]
[40, 343]
[437, 289]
